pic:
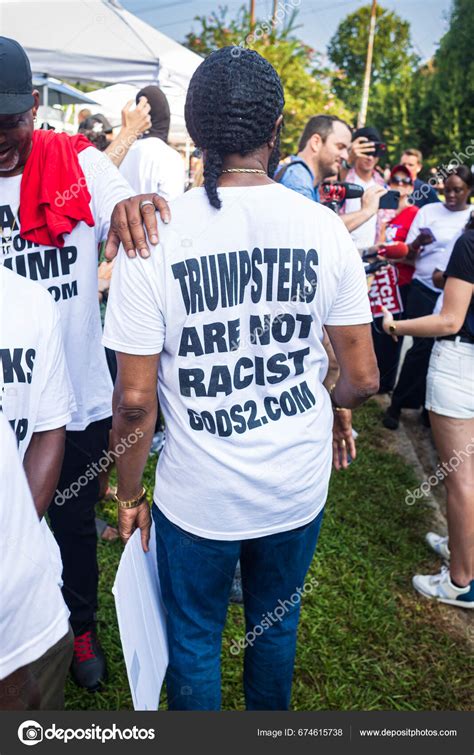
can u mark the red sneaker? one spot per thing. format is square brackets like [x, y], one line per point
[88, 668]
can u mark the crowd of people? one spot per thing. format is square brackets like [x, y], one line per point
[199, 293]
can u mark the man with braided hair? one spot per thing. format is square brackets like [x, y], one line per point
[228, 316]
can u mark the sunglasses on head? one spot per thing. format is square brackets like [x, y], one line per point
[401, 181]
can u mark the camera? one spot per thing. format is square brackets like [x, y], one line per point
[31, 733]
[333, 194]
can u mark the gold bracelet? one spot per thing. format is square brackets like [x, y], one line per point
[132, 503]
[392, 327]
[335, 406]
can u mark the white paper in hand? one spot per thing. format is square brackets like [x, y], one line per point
[142, 621]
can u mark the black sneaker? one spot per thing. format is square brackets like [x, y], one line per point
[88, 668]
[391, 418]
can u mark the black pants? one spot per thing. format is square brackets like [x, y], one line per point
[73, 522]
[410, 390]
[386, 349]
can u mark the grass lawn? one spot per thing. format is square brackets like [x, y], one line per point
[367, 641]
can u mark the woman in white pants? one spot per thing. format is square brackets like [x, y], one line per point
[450, 401]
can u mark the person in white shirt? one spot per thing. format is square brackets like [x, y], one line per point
[430, 240]
[364, 174]
[36, 643]
[228, 317]
[52, 237]
[35, 389]
[151, 165]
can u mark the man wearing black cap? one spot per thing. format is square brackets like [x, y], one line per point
[151, 165]
[57, 194]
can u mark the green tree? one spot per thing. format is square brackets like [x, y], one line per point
[307, 85]
[450, 92]
[390, 112]
[420, 112]
[393, 56]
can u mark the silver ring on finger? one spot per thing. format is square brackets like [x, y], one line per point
[145, 202]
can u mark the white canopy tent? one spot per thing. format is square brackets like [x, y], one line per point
[95, 40]
[59, 93]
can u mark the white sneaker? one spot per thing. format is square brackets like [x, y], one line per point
[439, 545]
[440, 587]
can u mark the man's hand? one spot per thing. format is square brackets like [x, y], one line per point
[371, 199]
[369, 206]
[129, 222]
[105, 276]
[360, 147]
[136, 121]
[130, 519]
[343, 443]
[42, 464]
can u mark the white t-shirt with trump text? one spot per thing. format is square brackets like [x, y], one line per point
[36, 393]
[70, 276]
[235, 300]
[35, 389]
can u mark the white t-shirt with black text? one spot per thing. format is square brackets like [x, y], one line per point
[35, 389]
[36, 393]
[33, 614]
[70, 276]
[445, 226]
[235, 301]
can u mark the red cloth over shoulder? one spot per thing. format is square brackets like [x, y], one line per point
[54, 196]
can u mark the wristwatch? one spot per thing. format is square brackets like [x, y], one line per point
[392, 328]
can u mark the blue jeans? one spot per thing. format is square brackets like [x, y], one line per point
[196, 576]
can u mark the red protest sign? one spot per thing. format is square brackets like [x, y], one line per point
[384, 292]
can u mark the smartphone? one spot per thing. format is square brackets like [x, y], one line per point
[430, 233]
[389, 201]
[380, 149]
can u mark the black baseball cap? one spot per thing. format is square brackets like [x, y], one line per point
[370, 133]
[15, 78]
